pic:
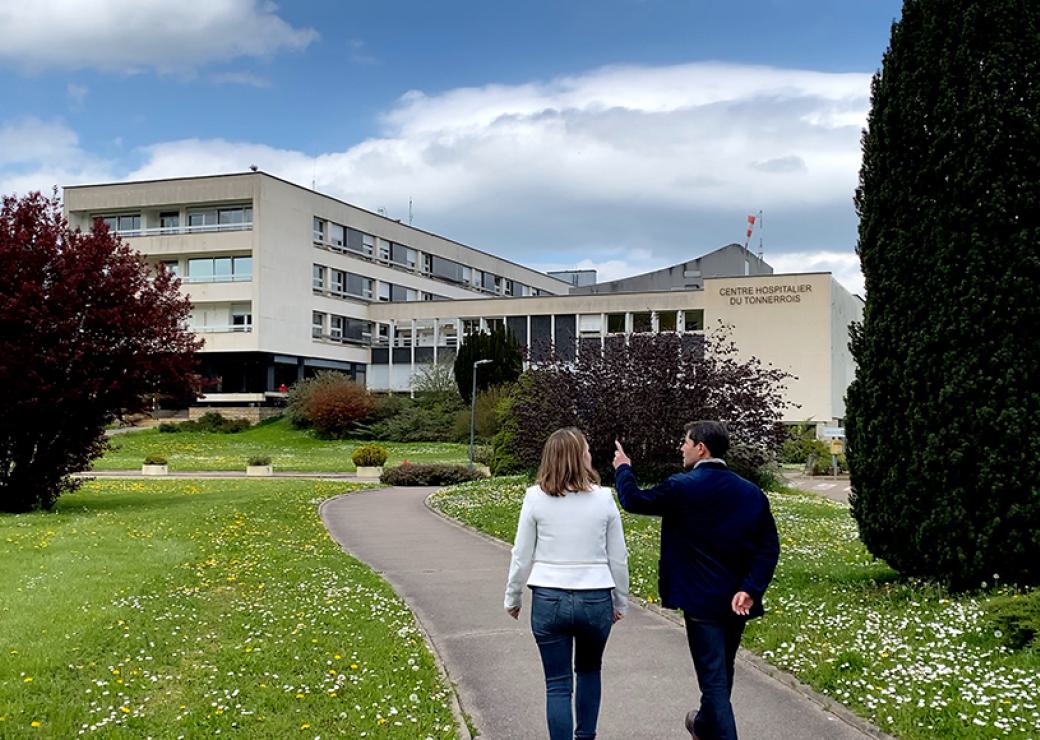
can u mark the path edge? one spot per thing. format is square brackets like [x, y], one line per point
[828, 704]
[461, 721]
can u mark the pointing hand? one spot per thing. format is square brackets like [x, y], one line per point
[620, 458]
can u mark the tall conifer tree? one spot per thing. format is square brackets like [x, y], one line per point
[944, 415]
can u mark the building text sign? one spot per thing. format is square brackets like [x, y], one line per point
[765, 294]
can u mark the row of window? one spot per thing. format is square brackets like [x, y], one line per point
[214, 269]
[199, 219]
[344, 238]
[336, 328]
[342, 283]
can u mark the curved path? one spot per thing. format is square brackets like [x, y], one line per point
[453, 580]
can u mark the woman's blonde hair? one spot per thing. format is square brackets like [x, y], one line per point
[564, 467]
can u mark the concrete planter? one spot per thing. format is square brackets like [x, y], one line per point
[364, 471]
[155, 470]
[259, 471]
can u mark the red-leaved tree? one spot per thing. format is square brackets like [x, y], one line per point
[643, 391]
[87, 332]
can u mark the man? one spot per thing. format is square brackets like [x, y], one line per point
[719, 549]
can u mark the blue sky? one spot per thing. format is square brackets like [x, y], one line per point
[620, 135]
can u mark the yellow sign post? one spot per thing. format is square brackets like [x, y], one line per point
[837, 446]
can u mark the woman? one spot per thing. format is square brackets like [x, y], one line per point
[570, 550]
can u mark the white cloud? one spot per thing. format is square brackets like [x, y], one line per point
[37, 155]
[843, 265]
[131, 36]
[624, 169]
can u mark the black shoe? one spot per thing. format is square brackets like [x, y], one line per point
[690, 716]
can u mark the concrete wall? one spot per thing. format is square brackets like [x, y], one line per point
[731, 260]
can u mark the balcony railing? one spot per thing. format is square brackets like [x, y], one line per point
[174, 230]
[217, 278]
[220, 328]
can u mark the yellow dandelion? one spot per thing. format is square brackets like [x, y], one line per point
[27, 679]
[304, 726]
[35, 723]
[124, 710]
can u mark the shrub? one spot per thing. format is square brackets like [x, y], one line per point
[215, 422]
[155, 459]
[258, 460]
[801, 442]
[642, 392]
[425, 419]
[169, 427]
[503, 460]
[334, 409]
[499, 346]
[428, 475]
[298, 397]
[369, 456]
[943, 431]
[1017, 617]
[486, 421]
[88, 333]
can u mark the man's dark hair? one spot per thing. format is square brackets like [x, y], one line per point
[712, 433]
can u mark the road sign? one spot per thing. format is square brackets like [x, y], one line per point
[834, 432]
[837, 447]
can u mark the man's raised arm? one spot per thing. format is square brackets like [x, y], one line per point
[634, 499]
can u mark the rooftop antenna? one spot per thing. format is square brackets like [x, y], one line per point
[381, 211]
[761, 225]
[409, 211]
[314, 176]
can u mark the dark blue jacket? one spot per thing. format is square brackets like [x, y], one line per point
[718, 537]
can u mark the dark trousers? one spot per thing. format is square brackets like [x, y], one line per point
[713, 647]
[571, 625]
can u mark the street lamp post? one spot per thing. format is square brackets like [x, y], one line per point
[473, 409]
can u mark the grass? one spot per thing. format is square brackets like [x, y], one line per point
[917, 661]
[195, 608]
[290, 450]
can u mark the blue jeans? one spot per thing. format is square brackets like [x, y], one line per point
[571, 623]
[713, 646]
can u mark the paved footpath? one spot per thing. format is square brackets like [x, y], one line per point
[453, 580]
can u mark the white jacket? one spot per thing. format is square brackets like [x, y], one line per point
[573, 541]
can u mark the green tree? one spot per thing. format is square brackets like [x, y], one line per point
[500, 346]
[943, 429]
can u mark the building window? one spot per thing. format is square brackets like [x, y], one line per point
[337, 235]
[641, 323]
[127, 224]
[666, 321]
[359, 285]
[403, 293]
[384, 249]
[590, 324]
[317, 324]
[402, 255]
[220, 219]
[172, 266]
[694, 320]
[339, 283]
[368, 244]
[355, 240]
[318, 278]
[615, 323]
[427, 263]
[242, 318]
[336, 328]
[319, 229]
[220, 269]
[171, 220]
[384, 291]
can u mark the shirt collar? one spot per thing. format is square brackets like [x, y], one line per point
[709, 460]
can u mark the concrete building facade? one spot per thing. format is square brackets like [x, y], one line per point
[285, 282]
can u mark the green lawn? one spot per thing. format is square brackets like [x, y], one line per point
[915, 660]
[290, 449]
[192, 608]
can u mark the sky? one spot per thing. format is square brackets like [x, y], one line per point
[617, 135]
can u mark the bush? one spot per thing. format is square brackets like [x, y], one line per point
[334, 409]
[1017, 617]
[801, 442]
[943, 431]
[503, 460]
[169, 427]
[643, 391]
[425, 419]
[486, 421]
[501, 347]
[258, 460]
[298, 397]
[212, 422]
[369, 456]
[155, 459]
[428, 475]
